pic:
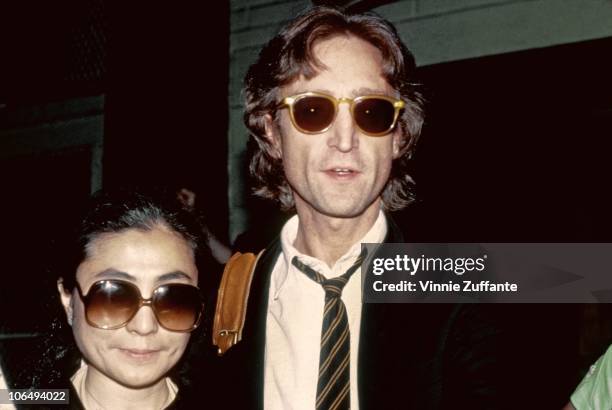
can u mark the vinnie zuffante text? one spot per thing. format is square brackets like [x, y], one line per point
[411, 266]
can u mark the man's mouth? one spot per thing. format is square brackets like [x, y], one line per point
[341, 171]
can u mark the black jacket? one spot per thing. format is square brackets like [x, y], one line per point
[433, 356]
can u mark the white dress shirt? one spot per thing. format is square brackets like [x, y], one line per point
[295, 317]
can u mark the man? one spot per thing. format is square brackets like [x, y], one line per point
[335, 116]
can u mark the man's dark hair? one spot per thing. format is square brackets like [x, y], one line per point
[290, 54]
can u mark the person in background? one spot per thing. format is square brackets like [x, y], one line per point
[219, 250]
[595, 390]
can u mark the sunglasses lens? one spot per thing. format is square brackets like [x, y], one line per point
[111, 304]
[374, 115]
[177, 307]
[313, 114]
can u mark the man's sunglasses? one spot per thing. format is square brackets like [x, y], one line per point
[314, 113]
[111, 304]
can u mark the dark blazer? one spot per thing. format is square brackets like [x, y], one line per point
[433, 356]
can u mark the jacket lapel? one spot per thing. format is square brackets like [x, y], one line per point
[255, 324]
[373, 338]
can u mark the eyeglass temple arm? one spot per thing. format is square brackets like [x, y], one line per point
[285, 102]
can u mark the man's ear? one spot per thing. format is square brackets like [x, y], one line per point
[397, 142]
[66, 298]
[273, 136]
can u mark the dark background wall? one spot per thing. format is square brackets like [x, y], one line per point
[162, 72]
[52, 85]
[166, 115]
[515, 147]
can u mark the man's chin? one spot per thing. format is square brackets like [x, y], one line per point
[336, 205]
[347, 211]
[342, 213]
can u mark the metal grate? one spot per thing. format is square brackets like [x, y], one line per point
[87, 45]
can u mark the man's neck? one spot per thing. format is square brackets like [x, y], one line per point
[328, 238]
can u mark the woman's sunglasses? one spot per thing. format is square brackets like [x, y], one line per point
[313, 113]
[111, 304]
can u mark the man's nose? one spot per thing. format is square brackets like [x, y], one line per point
[343, 133]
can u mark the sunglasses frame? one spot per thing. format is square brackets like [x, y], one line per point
[288, 102]
[142, 302]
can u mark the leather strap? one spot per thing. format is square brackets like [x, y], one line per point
[232, 300]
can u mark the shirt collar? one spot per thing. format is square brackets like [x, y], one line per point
[376, 234]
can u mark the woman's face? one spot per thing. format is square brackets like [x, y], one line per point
[141, 352]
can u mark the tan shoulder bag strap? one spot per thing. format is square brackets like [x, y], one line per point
[232, 300]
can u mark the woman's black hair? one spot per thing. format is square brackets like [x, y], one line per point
[58, 356]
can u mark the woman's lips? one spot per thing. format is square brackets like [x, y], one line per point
[140, 354]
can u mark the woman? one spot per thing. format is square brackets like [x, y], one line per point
[129, 290]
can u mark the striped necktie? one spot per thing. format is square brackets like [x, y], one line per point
[333, 387]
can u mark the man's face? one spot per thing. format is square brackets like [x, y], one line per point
[340, 172]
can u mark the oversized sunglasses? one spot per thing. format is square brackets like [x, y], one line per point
[314, 113]
[111, 304]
